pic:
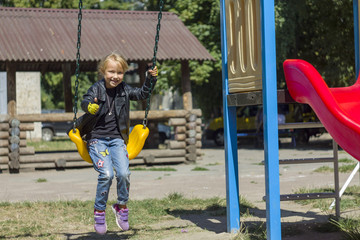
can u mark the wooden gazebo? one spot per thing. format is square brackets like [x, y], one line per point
[38, 39]
[44, 40]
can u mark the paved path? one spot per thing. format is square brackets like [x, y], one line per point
[81, 183]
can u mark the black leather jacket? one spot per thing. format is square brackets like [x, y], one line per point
[124, 93]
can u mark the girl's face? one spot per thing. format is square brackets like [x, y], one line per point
[113, 74]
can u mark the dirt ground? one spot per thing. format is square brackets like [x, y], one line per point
[80, 184]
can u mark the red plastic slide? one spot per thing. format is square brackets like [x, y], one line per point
[337, 108]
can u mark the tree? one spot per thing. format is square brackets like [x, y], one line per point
[52, 96]
[320, 32]
[202, 17]
[195, 14]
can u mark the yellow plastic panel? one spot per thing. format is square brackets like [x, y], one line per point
[244, 45]
[137, 140]
[80, 145]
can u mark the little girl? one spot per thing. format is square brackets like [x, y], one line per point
[106, 124]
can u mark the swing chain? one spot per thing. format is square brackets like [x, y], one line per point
[157, 36]
[77, 71]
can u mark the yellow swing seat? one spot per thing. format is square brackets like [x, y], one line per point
[80, 145]
[137, 140]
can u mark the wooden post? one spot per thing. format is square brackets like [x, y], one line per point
[186, 85]
[190, 140]
[14, 139]
[66, 70]
[11, 88]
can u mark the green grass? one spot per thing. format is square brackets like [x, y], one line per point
[58, 144]
[322, 204]
[345, 166]
[199, 169]
[41, 180]
[213, 164]
[349, 226]
[349, 201]
[251, 232]
[148, 218]
[346, 160]
[324, 169]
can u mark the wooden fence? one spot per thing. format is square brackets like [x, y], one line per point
[185, 145]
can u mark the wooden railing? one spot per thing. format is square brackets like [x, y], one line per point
[16, 155]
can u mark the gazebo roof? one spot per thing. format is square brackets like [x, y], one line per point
[40, 39]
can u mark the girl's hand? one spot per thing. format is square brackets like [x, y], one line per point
[153, 72]
[93, 107]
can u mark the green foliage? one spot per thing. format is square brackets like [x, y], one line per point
[113, 5]
[86, 79]
[169, 76]
[87, 4]
[202, 17]
[153, 5]
[320, 32]
[52, 96]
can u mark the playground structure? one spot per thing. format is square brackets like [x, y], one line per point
[249, 79]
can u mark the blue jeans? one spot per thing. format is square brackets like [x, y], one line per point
[109, 154]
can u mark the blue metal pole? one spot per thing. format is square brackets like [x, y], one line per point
[271, 145]
[356, 36]
[230, 138]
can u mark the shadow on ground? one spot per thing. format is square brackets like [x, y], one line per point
[92, 235]
[310, 225]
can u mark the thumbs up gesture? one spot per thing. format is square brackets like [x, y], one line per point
[93, 107]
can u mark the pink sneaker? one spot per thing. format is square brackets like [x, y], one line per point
[121, 216]
[100, 222]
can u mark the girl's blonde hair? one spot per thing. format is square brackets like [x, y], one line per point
[115, 57]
